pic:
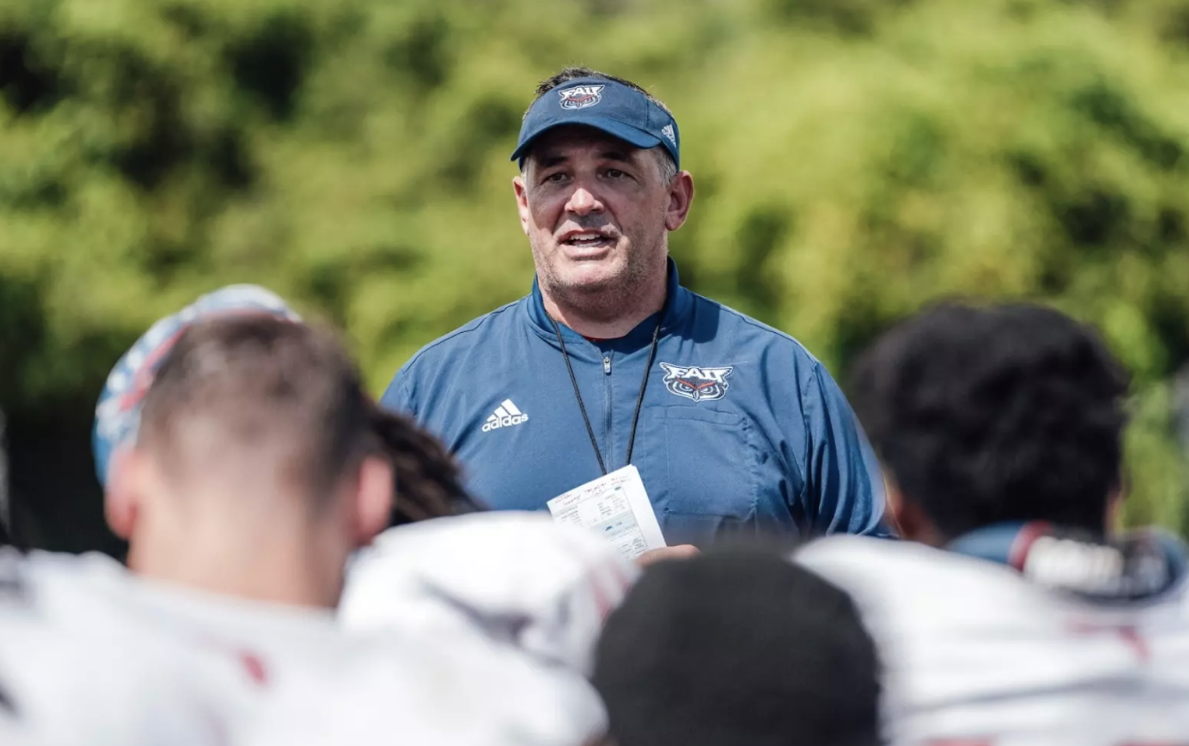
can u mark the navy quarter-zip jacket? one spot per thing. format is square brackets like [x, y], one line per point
[740, 429]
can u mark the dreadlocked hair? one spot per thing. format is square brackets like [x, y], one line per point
[428, 479]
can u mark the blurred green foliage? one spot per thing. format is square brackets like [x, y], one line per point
[853, 160]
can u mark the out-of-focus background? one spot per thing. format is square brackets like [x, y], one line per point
[853, 160]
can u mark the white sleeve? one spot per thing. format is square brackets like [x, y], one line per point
[514, 577]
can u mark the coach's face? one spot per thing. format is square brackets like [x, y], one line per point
[597, 211]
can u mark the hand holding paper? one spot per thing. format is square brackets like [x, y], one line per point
[665, 554]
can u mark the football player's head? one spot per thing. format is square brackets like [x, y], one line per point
[257, 468]
[989, 414]
[117, 414]
[738, 647]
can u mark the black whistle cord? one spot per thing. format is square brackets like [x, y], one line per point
[656, 336]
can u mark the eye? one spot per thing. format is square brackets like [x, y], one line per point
[615, 173]
[554, 178]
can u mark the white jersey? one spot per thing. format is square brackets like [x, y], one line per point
[63, 683]
[977, 653]
[514, 577]
[58, 689]
[232, 672]
[479, 695]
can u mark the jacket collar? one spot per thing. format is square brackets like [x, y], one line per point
[678, 308]
[1135, 565]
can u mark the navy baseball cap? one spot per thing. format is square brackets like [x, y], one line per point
[606, 105]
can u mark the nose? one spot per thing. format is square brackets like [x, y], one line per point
[583, 202]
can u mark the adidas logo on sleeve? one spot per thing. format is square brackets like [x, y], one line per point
[505, 415]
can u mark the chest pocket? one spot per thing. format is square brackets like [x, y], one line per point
[712, 467]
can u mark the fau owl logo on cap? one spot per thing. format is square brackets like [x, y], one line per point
[693, 382]
[581, 96]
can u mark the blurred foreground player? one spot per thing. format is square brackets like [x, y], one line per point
[255, 471]
[74, 668]
[1020, 616]
[514, 579]
[738, 649]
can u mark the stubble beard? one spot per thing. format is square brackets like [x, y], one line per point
[604, 300]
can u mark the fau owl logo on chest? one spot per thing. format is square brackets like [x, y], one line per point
[693, 382]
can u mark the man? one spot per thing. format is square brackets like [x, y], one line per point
[253, 475]
[738, 649]
[610, 361]
[535, 589]
[1020, 616]
[65, 644]
[255, 471]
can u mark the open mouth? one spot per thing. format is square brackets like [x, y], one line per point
[589, 240]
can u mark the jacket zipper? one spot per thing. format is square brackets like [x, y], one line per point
[608, 449]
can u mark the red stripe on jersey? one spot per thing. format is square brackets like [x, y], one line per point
[1017, 556]
[254, 667]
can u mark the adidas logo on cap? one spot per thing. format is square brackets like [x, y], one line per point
[505, 415]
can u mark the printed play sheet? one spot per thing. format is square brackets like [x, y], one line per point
[617, 507]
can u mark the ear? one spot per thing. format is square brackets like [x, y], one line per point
[522, 202]
[681, 196]
[373, 499]
[1114, 510]
[122, 495]
[907, 518]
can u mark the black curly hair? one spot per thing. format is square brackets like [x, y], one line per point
[428, 479]
[984, 414]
